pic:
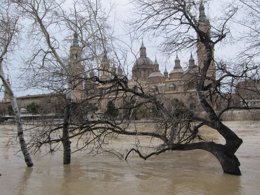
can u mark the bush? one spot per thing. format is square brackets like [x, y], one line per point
[33, 108]
[111, 111]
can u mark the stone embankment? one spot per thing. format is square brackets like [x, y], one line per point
[241, 115]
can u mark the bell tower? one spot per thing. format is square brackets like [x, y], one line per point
[76, 70]
[105, 67]
[204, 25]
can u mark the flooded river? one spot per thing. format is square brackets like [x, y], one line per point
[191, 172]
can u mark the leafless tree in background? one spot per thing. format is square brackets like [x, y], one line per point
[51, 67]
[251, 35]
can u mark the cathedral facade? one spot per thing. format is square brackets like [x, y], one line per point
[177, 84]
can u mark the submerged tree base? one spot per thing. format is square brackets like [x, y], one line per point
[229, 162]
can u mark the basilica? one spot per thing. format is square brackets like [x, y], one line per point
[177, 84]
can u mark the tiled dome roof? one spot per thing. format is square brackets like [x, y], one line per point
[156, 74]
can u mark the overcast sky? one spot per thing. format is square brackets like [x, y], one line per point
[122, 13]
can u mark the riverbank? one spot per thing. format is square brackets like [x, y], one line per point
[241, 115]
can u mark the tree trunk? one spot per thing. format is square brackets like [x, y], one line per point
[224, 153]
[65, 138]
[226, 156]
[230, 163]
[16, 110]
[23, 144]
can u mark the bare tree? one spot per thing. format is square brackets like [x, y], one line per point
[9, 30]
[251, 17]
[51, 66]
[177, 126]
[177, 19]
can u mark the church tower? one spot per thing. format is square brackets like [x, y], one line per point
[204, 25]
[104, 72]
[191, 62]
[143, 65]
[76, 70]
[177, 72]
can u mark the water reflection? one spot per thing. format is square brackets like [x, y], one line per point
[190, 172]
[67, 179]
[24, 180]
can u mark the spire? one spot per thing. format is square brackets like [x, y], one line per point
[142, 43]
[113, 69]
[119, 71]
[105, 66]
[75, 51]
[202, 15]
[191, 56]
[142, 50]
[91, 71]
[177, 63]
[165, 72]
[75, 42]
[155, 61]
[177, 58]
[156, 64]
[191, 61]
[105, 61]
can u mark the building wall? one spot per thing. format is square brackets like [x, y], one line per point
[46, 103]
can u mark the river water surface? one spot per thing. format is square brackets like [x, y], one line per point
[191, 172]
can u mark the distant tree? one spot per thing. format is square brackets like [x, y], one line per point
[111, 111]
[142, 112]
[33, 108]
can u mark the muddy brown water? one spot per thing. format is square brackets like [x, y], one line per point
[191, 172]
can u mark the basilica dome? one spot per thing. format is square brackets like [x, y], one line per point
[143, 61]
[156, 74]
[143, 65]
